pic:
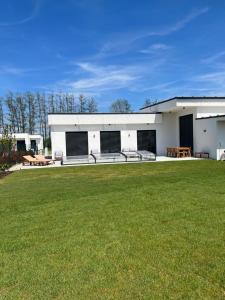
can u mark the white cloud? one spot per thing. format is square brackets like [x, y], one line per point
[122, 44]
[33, 14]
[213, 58]
[217, 78]
[160, 86]
[207, 84]
[181, 24]
[154, 48]
[17, 71]
[159, 46]
[95, 78]
[103, 78]
[11, 70]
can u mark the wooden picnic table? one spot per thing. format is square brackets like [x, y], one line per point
[179, 151]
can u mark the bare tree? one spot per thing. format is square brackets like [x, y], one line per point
[120, 106]
[82, 103]
[42, 114]
[70, 104]
[149, 101]
[52, 103]
[31, 115]
[92, 105]
[11, 107]
[62, 103]
[28, 112]
[21, 112]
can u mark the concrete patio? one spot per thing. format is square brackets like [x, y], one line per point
[57, 164]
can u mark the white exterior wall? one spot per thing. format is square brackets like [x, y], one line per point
[103, 119]
[39, 140]
[161, 107]
[220, 138]
[127, 124]
[128, 140]
[165, 135]
[94, 141]
[128, 136]
[58, 140]
[211, 137]
[27, 138]
[203, 112]
[208, 134]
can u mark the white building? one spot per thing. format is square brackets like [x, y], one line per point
[25, 141]
[196, 122]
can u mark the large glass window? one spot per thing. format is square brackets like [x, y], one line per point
[110, 141]
[76, 143]
[146, 140]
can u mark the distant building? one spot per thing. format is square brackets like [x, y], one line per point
[25, 141]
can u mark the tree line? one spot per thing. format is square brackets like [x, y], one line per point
[28, 112]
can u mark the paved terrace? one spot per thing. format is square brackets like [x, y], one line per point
[58, 164]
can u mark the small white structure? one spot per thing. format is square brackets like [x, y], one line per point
[25, 141]
[196, 122]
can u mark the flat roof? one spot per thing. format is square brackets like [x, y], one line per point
[105, 113]
[184, 98]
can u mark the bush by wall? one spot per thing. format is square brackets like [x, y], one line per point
[9, 159]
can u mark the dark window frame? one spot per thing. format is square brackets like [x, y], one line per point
[152, 148]
[68, 146]
[110, 144]
[187, 139]
[22, 147]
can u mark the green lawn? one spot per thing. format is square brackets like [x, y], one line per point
[135, 231]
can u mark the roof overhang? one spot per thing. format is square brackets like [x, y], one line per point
[178, 103]
[217, 117]
[25, 136]
[104, 119]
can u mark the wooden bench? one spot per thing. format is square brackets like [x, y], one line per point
[202, 154]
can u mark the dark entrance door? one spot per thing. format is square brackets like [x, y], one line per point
[110, 141]
[146, 140]
[186, 131]
[76, 143]
[33, 145]
[21, 146]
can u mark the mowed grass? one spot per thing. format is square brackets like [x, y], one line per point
[135, 231]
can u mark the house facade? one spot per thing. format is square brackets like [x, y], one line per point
[196, 122]
[25, 141]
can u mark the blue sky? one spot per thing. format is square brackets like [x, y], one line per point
[113, 49]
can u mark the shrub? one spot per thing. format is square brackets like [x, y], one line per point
[47, 143]
[7, 142]
[13, 158]
[4, 167]
[8, 156]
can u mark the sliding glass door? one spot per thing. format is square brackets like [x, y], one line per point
[110, 141]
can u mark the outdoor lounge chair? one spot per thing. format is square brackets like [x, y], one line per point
[42, 159]
[31, 160]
